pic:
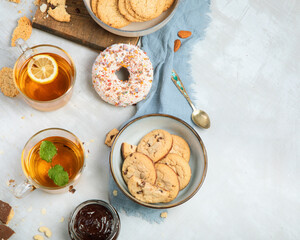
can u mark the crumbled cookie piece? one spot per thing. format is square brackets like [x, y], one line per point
[164, 215]
[46, 231]
[44, 211]
[6, 212]
[60, 14]
[110, 137]
[5, 232]
[7, 84]
[23, 30]
[57, 2]
[115, 193]
[15, 1]
[38, 237]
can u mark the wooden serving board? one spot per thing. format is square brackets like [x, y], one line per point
[81, 29]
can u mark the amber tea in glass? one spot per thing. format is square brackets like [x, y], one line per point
[48, 91]
[69, 154]
[48, 95]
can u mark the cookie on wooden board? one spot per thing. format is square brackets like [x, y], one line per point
[147, 192]
[180, 166]
[167, 179]
[181, 147]
[7, 84]
[156, 144]
[60, 14]
[140, 166]
[109, 13]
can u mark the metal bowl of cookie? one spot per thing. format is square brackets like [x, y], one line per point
[136, 29]
[175, 126]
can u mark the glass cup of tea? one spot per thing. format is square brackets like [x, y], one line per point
[52, 160]
[44, 75]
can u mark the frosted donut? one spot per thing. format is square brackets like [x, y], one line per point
[118, 92]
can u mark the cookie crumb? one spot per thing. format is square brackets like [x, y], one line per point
[23, 117]
[164, 215]
[115, 193]
[72, 189]
[110, 137]
[44, 211]
[37, 2]
[7, 84]
[62, 219]
[46, 231]
[15, 1]
[23, 30]
[38, 237]
[43, 7]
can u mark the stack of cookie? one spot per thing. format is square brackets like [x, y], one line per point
[157, 168]
[120, 13]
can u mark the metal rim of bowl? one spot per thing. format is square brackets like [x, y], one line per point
[152, 205]
[132, 33]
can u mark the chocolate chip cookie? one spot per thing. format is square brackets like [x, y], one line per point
[155, 144]
[140, 166]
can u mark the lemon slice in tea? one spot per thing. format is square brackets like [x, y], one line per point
[42, 68]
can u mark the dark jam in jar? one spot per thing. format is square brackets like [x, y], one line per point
[94, 220]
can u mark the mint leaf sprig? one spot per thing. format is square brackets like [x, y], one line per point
[47, 151]
[57, 173]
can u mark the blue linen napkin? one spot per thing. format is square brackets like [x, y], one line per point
[164, 97]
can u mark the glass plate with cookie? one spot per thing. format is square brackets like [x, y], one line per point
[158, 161]
[131, 18]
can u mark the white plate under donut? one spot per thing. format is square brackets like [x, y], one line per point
[138, 28]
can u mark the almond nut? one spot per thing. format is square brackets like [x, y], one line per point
[184, 34]
[177, 45]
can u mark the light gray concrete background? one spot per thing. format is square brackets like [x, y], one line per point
[246, 74]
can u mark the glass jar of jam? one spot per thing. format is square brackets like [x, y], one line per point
[94, 220]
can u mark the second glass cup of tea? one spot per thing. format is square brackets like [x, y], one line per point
[44, 75]
[49, 173]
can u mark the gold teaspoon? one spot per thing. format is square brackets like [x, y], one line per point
[199, 117]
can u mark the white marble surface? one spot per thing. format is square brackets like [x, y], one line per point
[246, 73]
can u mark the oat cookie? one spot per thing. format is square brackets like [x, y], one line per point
[180, 147]
[140, 166]
[156, 144]
[109, 13]
[127, 149]
[168, 4]
[125, 12]
[167, 179]
[7, 84]
[94, 6]
[23, 30]
[147, 192]
[60, 14]
[132, 13]
[180, 166]
[55, 3]
[110, 137]
[147, 9]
